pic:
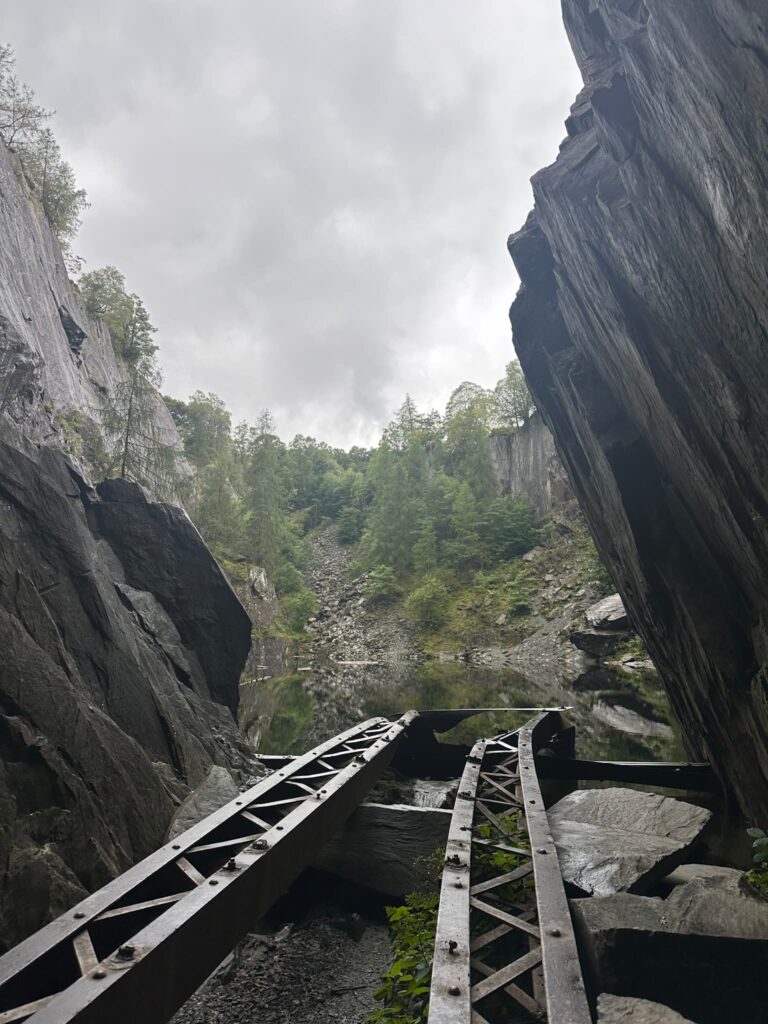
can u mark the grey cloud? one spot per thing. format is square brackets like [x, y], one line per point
[312, 196]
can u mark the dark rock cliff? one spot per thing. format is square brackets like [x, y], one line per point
[642, 324]
[122, 642]
[526, 465]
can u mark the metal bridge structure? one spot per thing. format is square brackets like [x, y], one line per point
[136, 949]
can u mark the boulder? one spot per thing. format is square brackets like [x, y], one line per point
[702, 951]
[686, 873]
[608, 614]
[216, 789]
[620, 840]
[600, 643]
[381, 844]
[627, 1010]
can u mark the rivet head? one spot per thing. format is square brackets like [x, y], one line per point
[452, 946]
[79, 914]
[175, 846]
[231, 865]
[213, 881]
[542, 851]
[126, 952]
[555, 932]
[454, 990]
[261, 844]
[100, 973]
[458, 885]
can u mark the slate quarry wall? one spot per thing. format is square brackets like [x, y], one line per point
[122, 642]
[642, 328]
[526, 465]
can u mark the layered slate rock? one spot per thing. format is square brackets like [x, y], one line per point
[642, 328]
[526, 465]
[702, 951]
[107, 709]
[620, 840]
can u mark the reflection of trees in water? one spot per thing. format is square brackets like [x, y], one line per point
[292, 713]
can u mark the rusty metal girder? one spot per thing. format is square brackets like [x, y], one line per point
[140, 946]
[504, 942]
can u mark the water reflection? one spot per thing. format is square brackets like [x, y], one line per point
[617, 716]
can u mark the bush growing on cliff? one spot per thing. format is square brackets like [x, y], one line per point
[381, 586]
[298, 608]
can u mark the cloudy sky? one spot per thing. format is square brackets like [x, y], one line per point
[312, 196]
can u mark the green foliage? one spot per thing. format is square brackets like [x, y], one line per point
[512, 402]
[72, 425]
[381, 586]
[24, 129]
[758, 877]
[298, 607]
[428, 604]
[124, 315]
[405, 988]
[759, 845]
[350, 528]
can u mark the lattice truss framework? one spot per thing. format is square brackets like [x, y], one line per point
[502, 902]
[192, 899]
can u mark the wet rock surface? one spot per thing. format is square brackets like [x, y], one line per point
[620, 840]
[641, 326]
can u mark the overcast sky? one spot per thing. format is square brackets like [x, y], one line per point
[312, 196]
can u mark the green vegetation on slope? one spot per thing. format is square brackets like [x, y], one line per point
[424, 508]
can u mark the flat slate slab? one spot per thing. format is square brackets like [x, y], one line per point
[628, 1010]
[608, 614]
[620, 840]
[702, 951]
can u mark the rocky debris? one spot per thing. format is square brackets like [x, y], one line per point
[346, 627]
[641, 326]
[112, 612]
[526, 465]
[701, 951]
[217, 788]
[607, 614]
[620, 840]
[626, 1010]
[323, 971]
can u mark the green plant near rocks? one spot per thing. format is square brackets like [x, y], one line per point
[71, 424]
[429, 603]
[405, 986]
[758, 876]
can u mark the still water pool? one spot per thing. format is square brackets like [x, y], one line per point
[622, 716]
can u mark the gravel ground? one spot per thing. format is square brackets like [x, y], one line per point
[321, 971]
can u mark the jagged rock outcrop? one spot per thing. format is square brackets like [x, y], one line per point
[527, 466]
[122, 642]
[642, 328]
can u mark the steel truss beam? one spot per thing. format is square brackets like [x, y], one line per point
[139, 947]
[504, 943]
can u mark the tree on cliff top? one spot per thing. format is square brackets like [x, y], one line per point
[512, 401]
[24, 129]
[124, 314]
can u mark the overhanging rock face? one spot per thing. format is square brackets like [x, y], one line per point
[642, 327]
